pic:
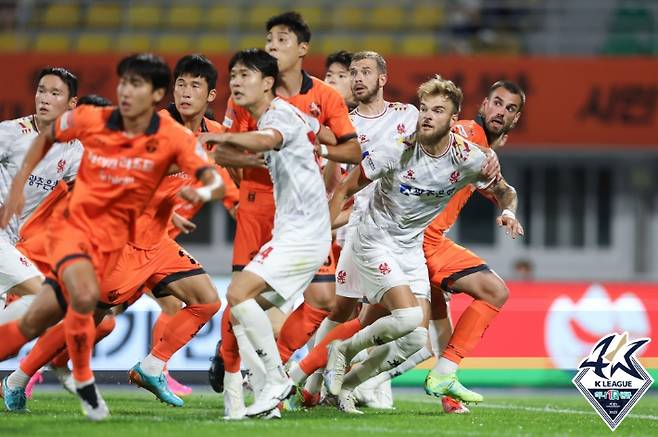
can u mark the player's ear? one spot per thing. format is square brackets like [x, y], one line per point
[383, 78]
[516, 119]
[453, 119]
[158, 94]
[302, 49]
[73, 102]
[212, 95]
[268, 84]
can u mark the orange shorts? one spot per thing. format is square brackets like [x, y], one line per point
[34, 248]
[327, 272]
[447, 261]
[254, 229]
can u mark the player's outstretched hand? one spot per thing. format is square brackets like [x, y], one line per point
[491, 166]
[512, 225]
[183, 224]
[12, 206]
[191, 195]
[213, 138]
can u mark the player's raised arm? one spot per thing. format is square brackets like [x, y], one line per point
[15, 200]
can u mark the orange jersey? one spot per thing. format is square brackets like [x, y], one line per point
[473, 132]
[119, 174]
[315, 98]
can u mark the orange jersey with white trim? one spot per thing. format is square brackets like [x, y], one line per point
[119, 174]
[315, 98]
[473, 132]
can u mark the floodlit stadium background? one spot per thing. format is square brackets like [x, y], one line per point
[583, 158]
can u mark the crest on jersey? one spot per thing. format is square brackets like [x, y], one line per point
[363, 139]
[401, 129]
[60, 166]
[611, 379]
[409, 175]
[454, 177]
[314, 110]
[152, 145]
[341, 277]
[384, 269]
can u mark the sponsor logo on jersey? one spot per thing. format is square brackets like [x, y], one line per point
[409, 190]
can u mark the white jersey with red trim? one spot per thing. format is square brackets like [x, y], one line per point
[411, 189]
[302, 209]
[397, 120]
[60, 163]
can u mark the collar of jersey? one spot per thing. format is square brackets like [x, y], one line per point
[115, 122]
[307, 83]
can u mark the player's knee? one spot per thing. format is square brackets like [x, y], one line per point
[413, 342]
[407, 319]
[209, 309]
[235, 296]
[495, 292]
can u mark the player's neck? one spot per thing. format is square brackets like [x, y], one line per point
[438, 148]
[494, 139]
[259, 108]
[137, 125]
[290, 82]
[42, 125]
[193, 123]
[375, 107]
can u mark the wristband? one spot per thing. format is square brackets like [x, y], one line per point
[508, 213]
[324, 150]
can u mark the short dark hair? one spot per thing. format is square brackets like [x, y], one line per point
[197, 66]
[94, 100]
[342, 57]
[67, 77]
[293, 21]
[258, 60]
[147, 66]
[512, 87]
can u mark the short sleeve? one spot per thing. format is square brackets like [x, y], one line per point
[281, 121]
[7, 138]
[75, 155]
[337, 116]
[69, 125]
[379, 161]
[473, 164]
[191, 156]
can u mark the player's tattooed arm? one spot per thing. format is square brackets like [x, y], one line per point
[15, 200]
[506, 198]
[352, 184]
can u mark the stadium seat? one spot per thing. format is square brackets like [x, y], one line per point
[103, 15]
[173, 43]
[386, 17]
[12, 42]
[334, 42]
[184, 16]
[221, 17]
[426, 16]
[347, 17]
[251, 41]
[52, 42]
[133, 42]
[94, 42]
[418, 45]
[380, 43]
[60, 15]
[214, 43]
[314, 17]
[257, 16]
[141, 16]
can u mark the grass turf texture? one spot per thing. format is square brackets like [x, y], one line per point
[518, 413]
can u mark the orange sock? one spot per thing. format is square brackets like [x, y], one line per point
[183, 327]
[159, 328]
[469, 330]
[298, 328]
[317, 358]
[229, 349]
[103, 329]
[12, 340]
[80, 330]
[50, 344]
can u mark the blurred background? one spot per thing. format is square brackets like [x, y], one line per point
[584, 157]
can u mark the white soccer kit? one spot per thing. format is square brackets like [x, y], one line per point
[60, 163]
[411, 188]
[301, 237]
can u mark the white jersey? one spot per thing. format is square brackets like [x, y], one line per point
[398, 119]
[302, 210]
[411, 189]
[61, 162]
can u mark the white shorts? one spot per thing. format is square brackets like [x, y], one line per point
[288, 267]
[14, 267]
[371, 272]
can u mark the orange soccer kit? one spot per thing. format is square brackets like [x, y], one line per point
[447, 261]
[255, 216]
[117, 177]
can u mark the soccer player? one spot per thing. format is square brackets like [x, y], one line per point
[128, 151]
[288, 38]
[337, 75]
[301, 237]
[56, 92]
[415, 180]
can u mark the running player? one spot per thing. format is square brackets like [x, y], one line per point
[56, 93]
[87, 234]
[301, 236]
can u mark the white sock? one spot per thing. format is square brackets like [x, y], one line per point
[152, 366]
[233, 394]
[17, 379]
[314, 383]
[83, 383]
[445, 367]
[297, 374]
[16, 309]
[259, 331]
[250, 360]
[411, 363]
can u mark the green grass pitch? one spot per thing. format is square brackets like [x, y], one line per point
[136, 413]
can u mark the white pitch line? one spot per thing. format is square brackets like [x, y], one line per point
[546, 410]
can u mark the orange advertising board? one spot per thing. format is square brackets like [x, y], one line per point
[596, 103]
